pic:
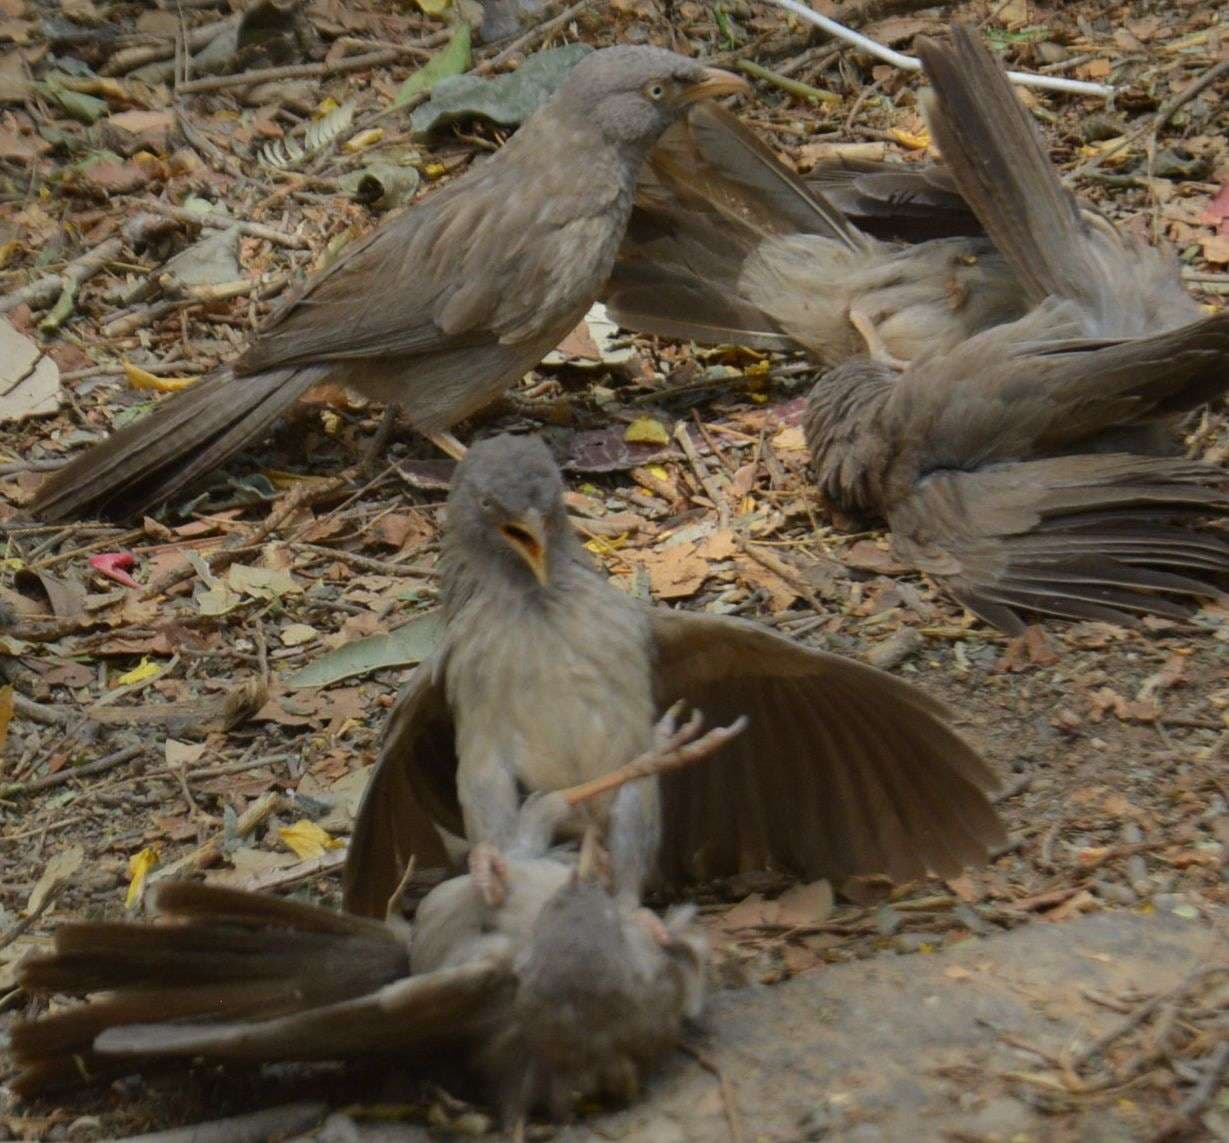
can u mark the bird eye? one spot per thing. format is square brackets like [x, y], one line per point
[655, 91]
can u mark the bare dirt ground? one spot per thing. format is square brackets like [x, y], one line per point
[154, 728]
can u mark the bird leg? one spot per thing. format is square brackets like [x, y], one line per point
[865, 325]
[489, 869]
[673, 748]
[447, 444]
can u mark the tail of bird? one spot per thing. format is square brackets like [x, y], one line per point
[1000, 165]
[186, 436]
[709, 194]
[1106, 537]
[222, 954]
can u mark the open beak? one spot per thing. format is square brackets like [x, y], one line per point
[715, 82]
[527, 536]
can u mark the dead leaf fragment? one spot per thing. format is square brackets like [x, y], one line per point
[308, 840]
[58, 870]
[29, 379]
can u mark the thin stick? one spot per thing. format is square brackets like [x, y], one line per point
[19, 789]
[909, 63]
[27, 923]
[293, 71]
[220, 221]
[46, 290]
[533, 36]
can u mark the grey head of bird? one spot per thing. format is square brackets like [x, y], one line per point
[599, 995]
[507, 523]
[632, 93]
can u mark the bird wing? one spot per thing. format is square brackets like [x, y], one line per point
[843, 770]
[710, 192]
[896, 202]
[1035, 387]
[414, 784]
[418, 1015]
[480, 261]
[1082, 537]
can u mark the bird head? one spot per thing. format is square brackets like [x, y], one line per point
[506, 511]
[632, 93]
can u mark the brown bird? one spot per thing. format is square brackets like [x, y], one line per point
[547, 676]
[726, 244]
[561, 993]
[1009, 467]
[438, 310]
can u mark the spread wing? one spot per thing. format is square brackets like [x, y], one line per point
[843, 770]
[414, 783]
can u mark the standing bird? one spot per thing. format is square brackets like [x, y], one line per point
[547, 676]
[559, 993]
[441, 308]
[726, 244]
[1010, 467]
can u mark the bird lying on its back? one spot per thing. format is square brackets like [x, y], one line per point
[439, 309]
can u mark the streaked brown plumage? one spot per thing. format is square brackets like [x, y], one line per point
[561, 993]
[547, 676]
[727, 245]
[440, 309]
[1009, 468]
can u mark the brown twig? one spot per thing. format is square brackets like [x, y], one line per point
[729, 1102]
[27, 923]
[220, 221]
[42, 293]
[291, 71]
[21, 789]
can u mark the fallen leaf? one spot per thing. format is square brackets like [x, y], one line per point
[805, 904]
[6, 714]
[261, 583]
[1216, 248]
[296, 634]
[452, 59]
[405, 646]
[308, 840]
[144, 670]
[646, 430]
[138, 378]
[29, 379]
[139, 866]
[115, 565]
[58, 870]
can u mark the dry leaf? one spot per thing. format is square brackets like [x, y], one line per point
[58, 870]
[308, 840]
[6, 714]
[139, 866]
[646, 430]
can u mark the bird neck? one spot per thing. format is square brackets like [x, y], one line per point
[502, 579]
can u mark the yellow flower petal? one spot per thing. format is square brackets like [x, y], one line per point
[645, 430]
[363, 140]
[307, 839]
[142, 671]
[139, 865]
[918, 142]
[140, 378]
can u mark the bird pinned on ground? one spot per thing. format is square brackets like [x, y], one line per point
[1027, 468]
[728, 245]
[441, 308]
[566, 989]
[547, 676]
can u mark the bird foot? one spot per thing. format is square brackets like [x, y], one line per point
[489, 869]
[865, 325]
[673, 748]
[447, 444]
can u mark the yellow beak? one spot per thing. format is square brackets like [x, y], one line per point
[527, 536]
[715, 82]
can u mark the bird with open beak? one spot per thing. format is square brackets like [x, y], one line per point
[440, 309]
[547, 676]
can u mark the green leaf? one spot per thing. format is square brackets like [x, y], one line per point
[406, 646]
[77, 105]
[452, 59]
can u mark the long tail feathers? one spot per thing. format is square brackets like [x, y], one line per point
[1105, 537]
[222, 953]
[186, 436]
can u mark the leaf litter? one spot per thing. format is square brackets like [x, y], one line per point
[264, 626]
